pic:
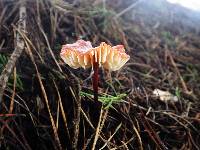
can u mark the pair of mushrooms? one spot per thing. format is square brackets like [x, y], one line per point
[82, 54]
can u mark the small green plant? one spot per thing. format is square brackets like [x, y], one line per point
[178, 92]
[168, 38]
[167, 35]
[3, 62]
[100, 11]
[106, 100]
[192, 73]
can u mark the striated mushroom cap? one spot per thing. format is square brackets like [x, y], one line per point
[82, 54]
[77, 54]
[113, 58]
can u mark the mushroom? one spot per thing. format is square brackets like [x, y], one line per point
[82, 54]
[77, 54]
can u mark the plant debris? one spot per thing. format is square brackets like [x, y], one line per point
[48, 110]
[165, 95]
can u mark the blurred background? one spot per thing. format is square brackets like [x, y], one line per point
[41, 106]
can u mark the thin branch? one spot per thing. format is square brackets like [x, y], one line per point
[102, 118]
[128, 8]
[77, 116]
[45, 98]
[16, 53]
[13, 94]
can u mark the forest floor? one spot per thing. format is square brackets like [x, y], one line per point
[48, 105]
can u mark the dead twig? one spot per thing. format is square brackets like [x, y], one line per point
[178, 73]
[160, 145]
[62, 109]
[128, 8]
[13, 94]
[46, 39]
[45, 98]
[16, 53]
[102, 118]
[77, 116]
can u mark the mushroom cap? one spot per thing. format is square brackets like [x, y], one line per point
[82, 54]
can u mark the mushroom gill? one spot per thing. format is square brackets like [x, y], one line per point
[82, 54]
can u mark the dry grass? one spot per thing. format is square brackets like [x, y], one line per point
[49, 113]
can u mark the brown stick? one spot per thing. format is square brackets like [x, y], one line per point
[16, 53]
[77, 99]
[97, 129]
[45, 97]
[13, 94]
[178, 73]
[153, 135]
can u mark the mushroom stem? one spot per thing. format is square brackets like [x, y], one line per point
[95, 80]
